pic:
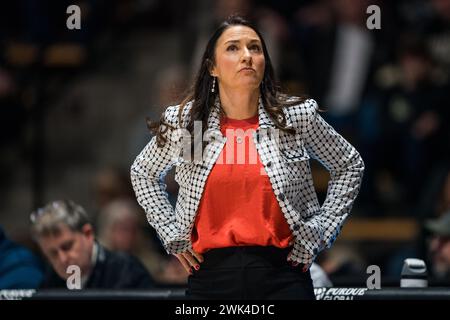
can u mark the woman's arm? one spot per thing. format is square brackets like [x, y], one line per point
[147, 177]
[346, 169]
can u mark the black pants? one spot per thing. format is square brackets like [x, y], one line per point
[249, 273]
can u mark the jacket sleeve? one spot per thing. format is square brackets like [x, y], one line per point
[147, 177]
[346, 169]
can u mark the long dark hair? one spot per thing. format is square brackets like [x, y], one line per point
[203, 99]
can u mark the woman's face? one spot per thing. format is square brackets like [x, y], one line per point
[239, 59]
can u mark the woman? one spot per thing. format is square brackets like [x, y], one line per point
[242, 227]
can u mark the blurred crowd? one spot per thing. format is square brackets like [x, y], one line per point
[386, 90]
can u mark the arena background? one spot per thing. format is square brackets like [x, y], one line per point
[73, 105]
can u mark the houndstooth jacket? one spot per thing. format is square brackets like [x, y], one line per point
[285, 158]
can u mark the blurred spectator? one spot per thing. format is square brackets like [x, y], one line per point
[342, 261]
[413, 116]
[118, 226]
[437, 33]
[170, 87]
[443, 203]
[352, 57]
[338, 53]
[111, 184]
[439, 247]
[120, 229]
[13, 118]
[435, 195]
[434, 202]
[66, 237]
[19, 268]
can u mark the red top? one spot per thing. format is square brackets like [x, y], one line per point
[238, 206]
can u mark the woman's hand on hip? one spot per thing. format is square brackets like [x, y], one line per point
[190, 259]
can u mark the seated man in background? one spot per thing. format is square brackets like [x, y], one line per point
[19, 268]
[66, 237]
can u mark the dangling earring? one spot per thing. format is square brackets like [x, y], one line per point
[214, 84]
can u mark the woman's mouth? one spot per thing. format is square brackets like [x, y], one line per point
[247, 69]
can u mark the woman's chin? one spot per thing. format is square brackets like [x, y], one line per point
[249, 85]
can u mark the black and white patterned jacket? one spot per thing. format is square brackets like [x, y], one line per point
[286, 160]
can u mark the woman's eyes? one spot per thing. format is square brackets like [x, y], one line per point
[254, 47]
[232, 48]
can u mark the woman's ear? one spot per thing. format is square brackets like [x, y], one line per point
[211, 68]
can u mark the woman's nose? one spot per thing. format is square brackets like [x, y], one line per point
[246, 56]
